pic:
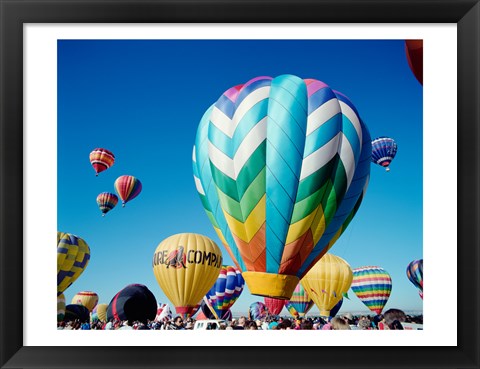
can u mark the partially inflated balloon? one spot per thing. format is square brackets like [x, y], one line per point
[76, 312]
[281, 165]
[186, 267]
[226, 290]
[327, 281]
[415, 274]
[274, 306]
[106, 201]
[209, 314]
[101, 159]
[99, 313]
[73, 255]
[88, 299]
[134, 302]
[300, 303]
[384, 150]
[257, 310]
[60, 307]
[127, 187]
[414, 52]
[372, 285]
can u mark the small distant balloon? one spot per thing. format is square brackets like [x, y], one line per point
[384, 150]
[127, 187]
[300, 303]
[257, 310]
[415, 275]
[101, 159]
[106, 201]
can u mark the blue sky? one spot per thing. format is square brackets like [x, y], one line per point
[143, 99]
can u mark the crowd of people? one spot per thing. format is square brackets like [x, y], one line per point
[392, 319]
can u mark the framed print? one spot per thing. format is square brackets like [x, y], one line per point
[130, 86]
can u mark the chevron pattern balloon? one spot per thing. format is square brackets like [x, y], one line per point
[281, 165]
[373, 286]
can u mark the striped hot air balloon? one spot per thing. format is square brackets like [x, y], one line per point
[88, 299]
[60, 307]
[300, 303]
[127, 187]
[106, 201]
[226, 290]
[101, 159]
[281, 165]
[415, 275]
[73, 255]
[372, 285]
[384, 150]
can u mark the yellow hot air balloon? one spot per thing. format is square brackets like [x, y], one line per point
[88, 299]
[186, 266]
[73, 255]
[99, 312]
[327, 281]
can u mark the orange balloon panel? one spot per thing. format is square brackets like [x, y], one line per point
[327, 281]
[186, 266]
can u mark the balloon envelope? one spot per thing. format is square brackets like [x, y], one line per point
[76, 312]
[106, 201]
[281, 165]
[226, 290]
[336, 308]
[60, 307]
[274, 306]
[88, 299]
[257, 310]
[127, 187]
[101, 159]
[208, 314]
[300, 303]
[415, 274]
[384, 150]
[372, 285]
[327, 281]
[414, 53]
[99, 312]
[186, 267]
[134, 302]
[73, 255]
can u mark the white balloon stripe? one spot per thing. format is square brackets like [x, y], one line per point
[320, 157]
[322, 114]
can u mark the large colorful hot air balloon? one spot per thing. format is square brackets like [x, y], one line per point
[73, 255]
[127, 187]
[226, 290]
[300, 303]
[134, 302]
[186, 266]
[414, 52]
[60, 307]
[76, 312]
[372, 285]
[209, 314]
[106, 201]
[257, 310]
[327, 281]
[274, 306]
[415, 275]
[101, 159]
[88, 299]
[384, 150]
[281, 165]
[99, 312]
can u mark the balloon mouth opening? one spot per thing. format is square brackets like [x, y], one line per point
[185, 311]
[278, 286]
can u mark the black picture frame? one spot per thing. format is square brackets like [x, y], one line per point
[15, 13]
